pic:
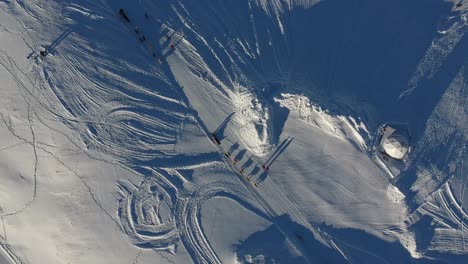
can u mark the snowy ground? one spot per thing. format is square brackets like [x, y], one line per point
[105, 150]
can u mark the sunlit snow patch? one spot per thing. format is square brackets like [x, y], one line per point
[346, 128]
[252, 118]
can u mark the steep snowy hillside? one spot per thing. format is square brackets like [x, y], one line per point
[234, 131]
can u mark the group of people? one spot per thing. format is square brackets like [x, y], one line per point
[142, 38]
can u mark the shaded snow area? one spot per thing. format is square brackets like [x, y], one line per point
[234, 131]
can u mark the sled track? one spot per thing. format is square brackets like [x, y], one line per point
[188, 214]
[139, 213]
[142, 220]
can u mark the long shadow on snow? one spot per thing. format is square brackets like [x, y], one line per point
[180, 159]
[432, 156]
[280, 149]
[149, 103]
[334, 50]
[362, 247]
[241, 154]
[262, 177]
[365, 50]
[272, 244]
[224, 31]
[56, 42]
[219, 132]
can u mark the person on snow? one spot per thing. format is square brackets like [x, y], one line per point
[123, 15]
[43, 52]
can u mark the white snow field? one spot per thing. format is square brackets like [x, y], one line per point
[106, 146]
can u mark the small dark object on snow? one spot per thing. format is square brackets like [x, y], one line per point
[137, 30]
[172, 46]
[43, 52]
[142, 38]
[459, 4]
[168, 37]
[215, 138]
[146, 15]
[299, 237]
[123, 15]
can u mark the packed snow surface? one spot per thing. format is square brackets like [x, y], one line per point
[234, 131]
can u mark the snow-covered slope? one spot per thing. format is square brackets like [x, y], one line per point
[105, 150]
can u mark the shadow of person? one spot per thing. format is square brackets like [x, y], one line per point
[263, 176]
[247, 163]
[255, 170]
[234, 147]
[241, 154]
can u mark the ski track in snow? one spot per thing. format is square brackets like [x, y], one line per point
[133, 130]
[36, 161]
[139, 213]
[136, 124]
[449, 215]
